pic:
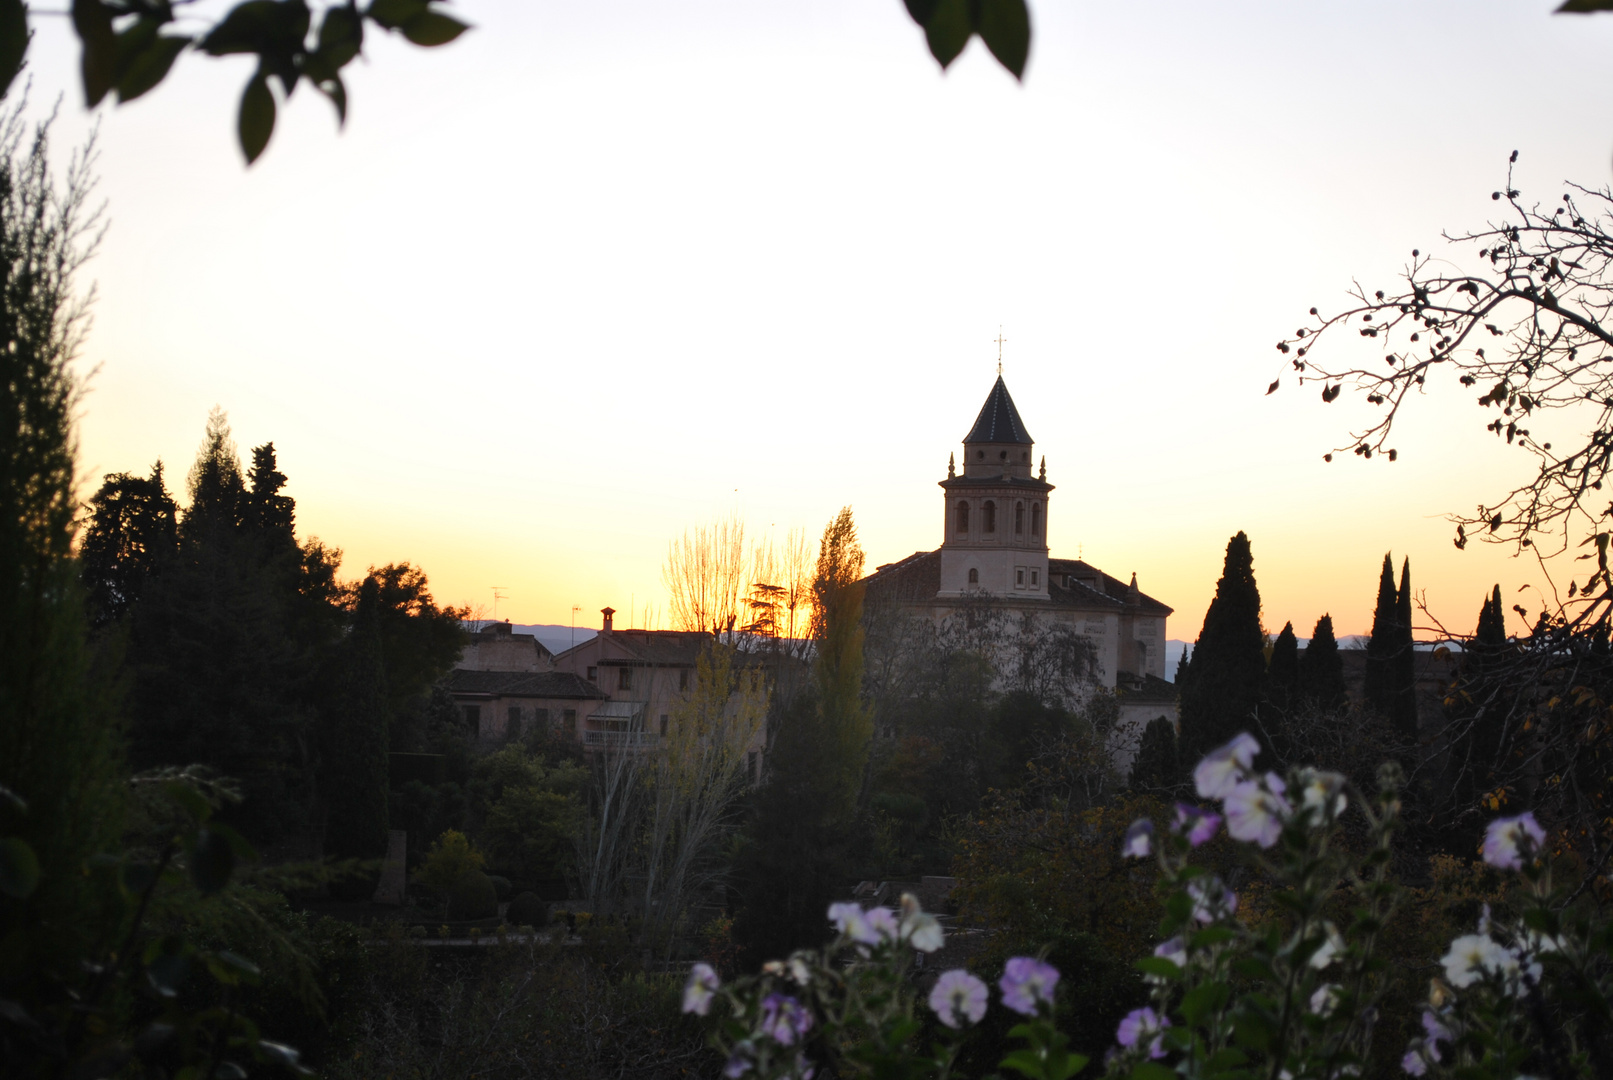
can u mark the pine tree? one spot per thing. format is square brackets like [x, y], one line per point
[1228, 669]
[1321, 669]
[1378, 682]
[1403, 666]
[132, 534]
[1156, 766]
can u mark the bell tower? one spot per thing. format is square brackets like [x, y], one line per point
[994, 531]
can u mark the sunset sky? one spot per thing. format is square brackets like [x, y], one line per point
[600, 272]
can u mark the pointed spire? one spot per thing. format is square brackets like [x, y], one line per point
[1044, 468]
[952, 469]
[1133, 594]
[999, 420]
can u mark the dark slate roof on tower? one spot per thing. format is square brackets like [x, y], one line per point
[999, 421]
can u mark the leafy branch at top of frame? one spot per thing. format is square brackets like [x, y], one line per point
[130, 46]
[1531, 331]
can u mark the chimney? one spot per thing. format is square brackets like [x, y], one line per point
[608, 613]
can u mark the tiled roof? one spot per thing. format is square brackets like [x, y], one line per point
[1153, 690]
[998, 421]
[918, 577]
[542, 684]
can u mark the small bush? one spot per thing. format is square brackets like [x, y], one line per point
[502, 886]
[473, 897]
[527, 907]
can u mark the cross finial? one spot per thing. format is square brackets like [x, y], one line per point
[1000, 340]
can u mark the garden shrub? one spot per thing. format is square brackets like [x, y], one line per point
[472, 897]
[527, 907]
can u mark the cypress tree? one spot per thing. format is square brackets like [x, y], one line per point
[1156, 765]
[1181, 669]
[1282, 686]
[354, 773]
[1228, 668]
[1377, 686]
[1478, 713]
[1321, 669]
[1403, 666]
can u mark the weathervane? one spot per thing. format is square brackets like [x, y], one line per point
[1000, 340]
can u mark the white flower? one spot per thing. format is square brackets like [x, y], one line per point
[1325, 1000]
[1256, 810]
[1224, 766]
[1471, 956]
[1211, 899]
[1331, 948]
[1139, 842]
[799, 972]
[1174, 951]
[700, 989]
[919, 929]
[1324, 793]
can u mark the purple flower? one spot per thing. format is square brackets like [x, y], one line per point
[1436, 1031]
[1256, 810]
[1200, 824]
[1211, 898]
[882, 921]
[699, 990]
[1413, 1062]
[1224, 766]
[1139, 842]
[784, 1019]
[1143, 1026]
[958, 996]
[1507, 839]
[739, 1062]
[851, 921]
[1027, 983]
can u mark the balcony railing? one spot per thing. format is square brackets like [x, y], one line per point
[620, 738]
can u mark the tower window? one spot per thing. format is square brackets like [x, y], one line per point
[981, 454]
[624, 678]
[988, 516]
[1002, 455]
[1019, 578]
[963, 517]
[1019, 518]
[683, 679]
[1036, 519]
[1024, 455]
[974, 576]
[1036, 576]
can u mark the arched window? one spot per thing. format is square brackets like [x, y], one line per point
[963, 517]
[1019, 518]
[1036, 519]
[974, 576]
[988, 516]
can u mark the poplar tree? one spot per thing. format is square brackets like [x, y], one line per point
[59, 747]
[1228, 669]
[1321, 669]
[837, 601]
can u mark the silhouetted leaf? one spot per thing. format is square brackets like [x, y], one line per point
[13, 41]
[433, 28]
[334, 89]
[948, 30]
[19, 867]
[256, 121]
[149, 67]
[98, 65]
[1272, 389]
[341, 35]
[394, 13]
[248, 28]
[921, 10]
[1005, 27]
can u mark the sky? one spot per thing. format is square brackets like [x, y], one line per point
[598, 273]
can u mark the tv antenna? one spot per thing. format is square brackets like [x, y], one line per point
[574, 609]
[497, 596]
